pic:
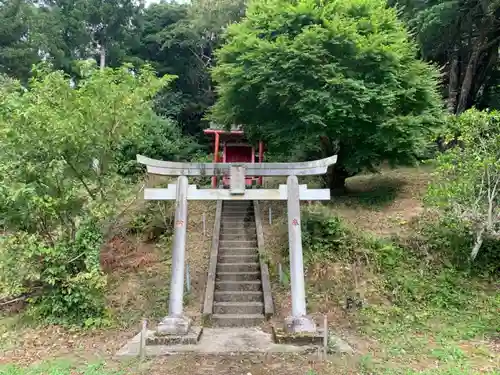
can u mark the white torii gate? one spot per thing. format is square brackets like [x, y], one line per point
[176, 322]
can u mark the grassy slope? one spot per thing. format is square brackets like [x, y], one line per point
[388, 340]
[418, 314]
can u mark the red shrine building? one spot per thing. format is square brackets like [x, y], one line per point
[231, 146]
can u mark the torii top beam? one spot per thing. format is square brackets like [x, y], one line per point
[170, 168]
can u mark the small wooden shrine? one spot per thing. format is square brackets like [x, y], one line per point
[231, 146]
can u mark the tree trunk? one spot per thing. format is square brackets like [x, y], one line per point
[102, 55]
[483, 42]
[477, 244]
[486, 66]
[453, 82]
[336, 177]
[336, 174]
[468, 78]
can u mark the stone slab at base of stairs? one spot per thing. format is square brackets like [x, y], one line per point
[217, 341]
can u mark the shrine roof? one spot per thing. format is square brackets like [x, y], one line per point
[235, 131]
[233, 127]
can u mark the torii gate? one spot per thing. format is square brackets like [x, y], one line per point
[176, 323]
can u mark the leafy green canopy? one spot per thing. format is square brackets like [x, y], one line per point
[295, 72]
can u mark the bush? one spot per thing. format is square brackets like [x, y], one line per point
[159, 138]
[466, 187]
[65, 276]
[449, 240]
[324, 236]
[155, 219]
[409, 276]
[59, 184]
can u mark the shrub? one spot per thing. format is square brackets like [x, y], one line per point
[159, 138]
[154, 220]
[446, 239]
[65, 276]
[324, 236]
[467, 180]
[59, 183]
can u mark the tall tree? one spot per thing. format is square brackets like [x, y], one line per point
[71, 30]
[464, 37]
[336, 78]
[17, 48]
[110, 23]
[180, 39]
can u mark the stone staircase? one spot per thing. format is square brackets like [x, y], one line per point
[238, 297]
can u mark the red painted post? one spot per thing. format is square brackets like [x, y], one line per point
[216, 158]
[261, 158]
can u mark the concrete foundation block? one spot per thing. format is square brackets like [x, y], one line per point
[303, 324]
[282, 335]
[174, 326]
[190, 338]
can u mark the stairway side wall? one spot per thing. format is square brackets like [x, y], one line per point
[264, 270]
[212, 266]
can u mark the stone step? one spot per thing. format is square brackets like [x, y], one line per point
[241, 206]
[238, 286]
[237, 320]
[237, 276]
[234, 229]
[238, 297]
[232, 214]
[239, 230]
[240, 221]
[238, 224]
[241, 213]
[238, 203]
[236, 237]
[238, 258]
[223, 251]
[237, 243]
[240, 234]
[238, 210]
[241, 308]
[238, 267]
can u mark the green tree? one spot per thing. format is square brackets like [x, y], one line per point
[467, 183]
[54, 201]
[334, 77]
[464, 38]
[180, 39]
[110, 25]
[17, 48]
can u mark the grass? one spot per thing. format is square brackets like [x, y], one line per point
[59, 368]
[291, 365]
